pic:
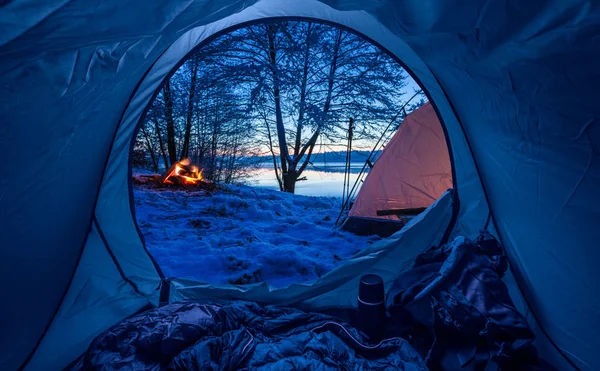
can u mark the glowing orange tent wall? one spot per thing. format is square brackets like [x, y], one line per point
[411, 172]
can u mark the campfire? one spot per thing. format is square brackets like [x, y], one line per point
[181, 175]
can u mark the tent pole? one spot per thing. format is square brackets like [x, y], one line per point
[349, 161]
[345, 201]
[346, 185]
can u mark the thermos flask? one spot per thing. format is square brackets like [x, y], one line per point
[371, 307]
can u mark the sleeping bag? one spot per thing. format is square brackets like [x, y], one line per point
[240, 335]
[450, 311]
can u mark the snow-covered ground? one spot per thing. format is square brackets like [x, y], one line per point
[241, 234]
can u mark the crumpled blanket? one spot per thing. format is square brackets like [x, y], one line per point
[452, 307]
[456, 311]
[240, 335]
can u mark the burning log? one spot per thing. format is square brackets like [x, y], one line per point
[179, 175]
[182, 172]
[168, 173]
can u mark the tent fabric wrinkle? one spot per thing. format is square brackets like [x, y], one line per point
[513, 85]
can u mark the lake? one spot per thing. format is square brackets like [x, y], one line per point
[321, 179]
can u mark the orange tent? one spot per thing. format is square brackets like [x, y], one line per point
[411, 173]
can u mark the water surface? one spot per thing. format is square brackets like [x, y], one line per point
[322, 179]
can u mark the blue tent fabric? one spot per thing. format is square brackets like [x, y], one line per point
[514, 84]
[98, 298]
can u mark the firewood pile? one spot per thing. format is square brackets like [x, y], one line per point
[181, 176]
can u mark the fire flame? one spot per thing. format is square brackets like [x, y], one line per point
[191, 175]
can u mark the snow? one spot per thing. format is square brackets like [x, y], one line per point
[242, 235]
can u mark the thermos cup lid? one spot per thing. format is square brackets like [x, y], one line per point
[370, 290]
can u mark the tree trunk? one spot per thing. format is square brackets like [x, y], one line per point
[214, 141]
[197, 141]
[161, 144]
[231, 168]
[172, 148]
[310, 145]
[303, 84]
[331, 78]
[283, 151]
[151, 149]
[279, 181]
[190, 110]
[289, 181]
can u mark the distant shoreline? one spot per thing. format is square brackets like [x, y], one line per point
[326, 167]
[328, 157]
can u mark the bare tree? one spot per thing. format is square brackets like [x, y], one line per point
[277, 88]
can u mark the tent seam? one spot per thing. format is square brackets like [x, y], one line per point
[114, 258]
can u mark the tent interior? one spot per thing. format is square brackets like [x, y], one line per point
[514, 84]
[412, 171]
